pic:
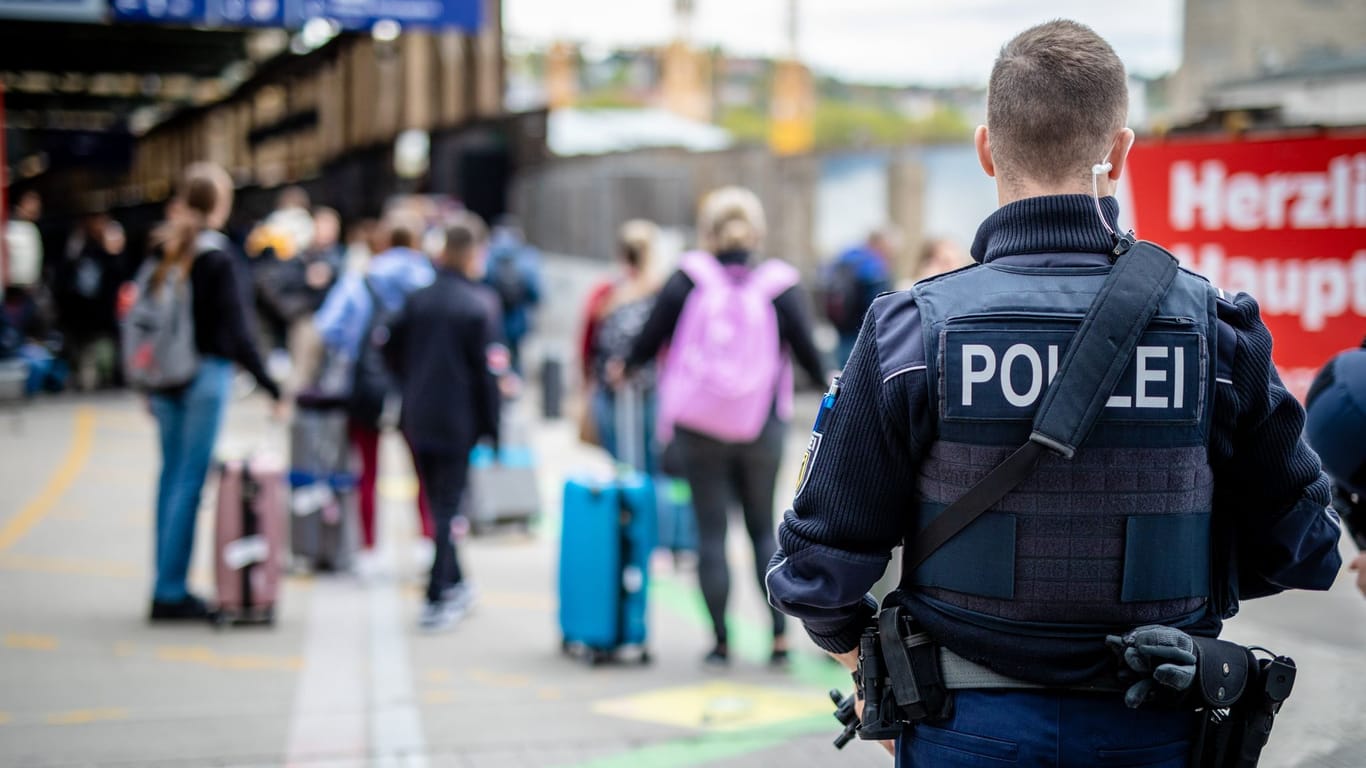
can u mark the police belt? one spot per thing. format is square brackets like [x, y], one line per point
[960, 674]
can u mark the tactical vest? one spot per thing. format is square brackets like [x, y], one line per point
[1117, 536]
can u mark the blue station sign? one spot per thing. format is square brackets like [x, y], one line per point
[350, 14]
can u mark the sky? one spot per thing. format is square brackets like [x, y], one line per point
[931, 42]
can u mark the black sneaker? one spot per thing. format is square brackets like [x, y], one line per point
[718, 657]
[187, 608]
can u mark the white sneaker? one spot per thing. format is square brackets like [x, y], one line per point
[440, 616]
[462, 595]
[368, 566]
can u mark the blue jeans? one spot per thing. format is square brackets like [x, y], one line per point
[1048, 728]
[188, 422]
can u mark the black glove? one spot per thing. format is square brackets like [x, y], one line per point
[1161, 660]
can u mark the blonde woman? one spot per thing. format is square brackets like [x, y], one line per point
[733, 323]
[616, 313]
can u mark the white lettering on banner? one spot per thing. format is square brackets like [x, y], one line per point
[1147, 371]
[1315, 289]
[1334, 198]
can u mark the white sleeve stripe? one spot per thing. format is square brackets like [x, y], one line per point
[901, 371]
[768, 592]
[1224, 381]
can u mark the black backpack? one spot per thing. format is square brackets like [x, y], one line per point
[843, 297]
[371, 381]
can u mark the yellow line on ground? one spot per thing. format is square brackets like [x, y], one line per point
[438, 697]
[198, 654]
[495, 680]
[83, 716]
[76, 456]
[113, 569]
[437, 675]
[31, 642]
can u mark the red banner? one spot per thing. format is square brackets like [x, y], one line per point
[1281, 219]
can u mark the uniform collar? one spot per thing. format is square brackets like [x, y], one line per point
[1049, 224]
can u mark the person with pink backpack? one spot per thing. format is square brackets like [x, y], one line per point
[732, 325]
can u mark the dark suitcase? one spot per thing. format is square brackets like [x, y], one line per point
[324, 523]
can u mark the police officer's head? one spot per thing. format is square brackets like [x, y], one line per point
[1056, 106]
[1335, 420]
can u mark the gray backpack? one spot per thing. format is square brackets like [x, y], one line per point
[159, 350]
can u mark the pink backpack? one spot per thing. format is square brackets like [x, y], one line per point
[725, 364]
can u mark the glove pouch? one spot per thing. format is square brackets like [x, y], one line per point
[1222, 672]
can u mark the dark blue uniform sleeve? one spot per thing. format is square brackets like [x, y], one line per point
[855, 495]
[1264, 473]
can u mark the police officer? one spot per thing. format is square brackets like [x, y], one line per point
[1197, 454]
[1336, 430]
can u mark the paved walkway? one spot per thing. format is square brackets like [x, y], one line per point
[344, 679]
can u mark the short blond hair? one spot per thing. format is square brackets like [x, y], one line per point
[731, 219]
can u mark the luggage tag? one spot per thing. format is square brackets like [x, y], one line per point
[309, 499]
[248, 550]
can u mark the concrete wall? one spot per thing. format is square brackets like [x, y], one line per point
[575, 205]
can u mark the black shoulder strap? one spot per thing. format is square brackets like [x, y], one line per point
[1073, 402]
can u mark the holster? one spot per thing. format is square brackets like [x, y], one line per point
[912, 663]
[899, 677]
[1239, 697]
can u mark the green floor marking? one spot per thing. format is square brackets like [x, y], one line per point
[708, 747]
[749, 639]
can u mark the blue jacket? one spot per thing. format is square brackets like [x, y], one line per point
[344, 315]
[504, 245]
[860, 485]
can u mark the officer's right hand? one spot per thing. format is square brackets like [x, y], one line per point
[849, 660]
[887, 744]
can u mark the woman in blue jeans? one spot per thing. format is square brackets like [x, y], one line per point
[188, 417]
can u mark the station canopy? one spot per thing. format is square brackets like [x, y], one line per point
[89, 75]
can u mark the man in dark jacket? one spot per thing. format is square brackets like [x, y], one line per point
[446, 350]
[1193, 490]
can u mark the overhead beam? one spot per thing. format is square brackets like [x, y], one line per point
[136, 49]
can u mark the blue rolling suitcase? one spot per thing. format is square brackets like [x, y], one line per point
[677, 521]
[607, 537]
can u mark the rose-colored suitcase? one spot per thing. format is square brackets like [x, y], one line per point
[249, 540]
